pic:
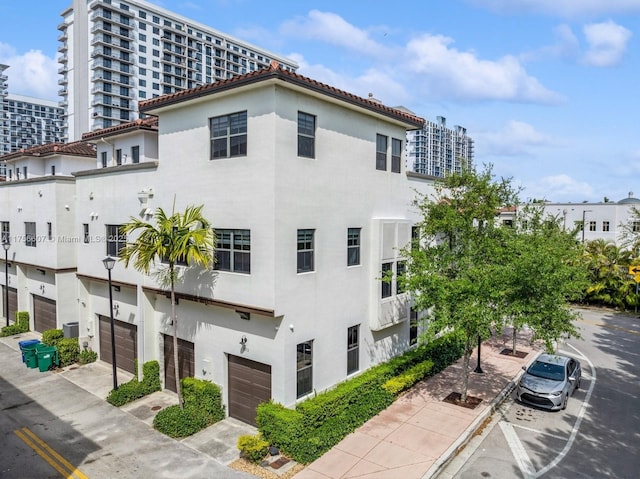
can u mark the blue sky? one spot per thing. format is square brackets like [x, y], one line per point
[548, 89]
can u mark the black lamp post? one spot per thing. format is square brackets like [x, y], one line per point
[478, 369]
[6, 245]
[109, 263]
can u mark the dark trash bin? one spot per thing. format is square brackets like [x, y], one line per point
[30, 355]
[47, 357]
[27, 342]
[70, 330]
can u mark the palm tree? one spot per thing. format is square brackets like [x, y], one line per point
[182, 238]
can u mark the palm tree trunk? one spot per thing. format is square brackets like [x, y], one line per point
[174, 318]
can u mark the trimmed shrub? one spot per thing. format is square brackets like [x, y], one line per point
[407, 379]
[253, 448]
[319, 423]
[202, 407]
[136, 389]
[87, 356]
[50, 337]
[21, 325]
[68, 351]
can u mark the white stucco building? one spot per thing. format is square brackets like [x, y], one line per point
[115, 53]
[307, 190]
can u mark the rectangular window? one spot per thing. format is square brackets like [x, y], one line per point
[387, 269]
[103, 159]
[413, 327]
[85, 233]
[605, 226]
[306, 135]
[24, 170]
[381, 152]
[53, 170]
[229, 135]
[5, 232]
[233, 250]
[118, 157]
[135, 154]
[635, 226]
[304, 368]
[30, 234]
[115, 240]
[49, 231]
[592, 225]
[396, 155]
[305, 250]
[353, 349]
[401, 268]
[353, 246]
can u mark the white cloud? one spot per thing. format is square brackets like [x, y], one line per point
[564, 187]
[607, 43]
[31, 74]
[333, 29]
[566, 46]
[564, 8]
[516, 138]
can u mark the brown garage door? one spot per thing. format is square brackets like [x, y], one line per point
[186, 361]
[13, 302]
[126, 343]
[44, 314]
[249, 385]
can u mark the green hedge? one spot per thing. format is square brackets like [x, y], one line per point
[50, 337]
[21, 325]
[87, 356]
[253, 448]
[68, 351]
[319, 423]
[136, 389]
[202, 407]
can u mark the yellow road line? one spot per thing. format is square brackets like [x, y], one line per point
[611, 326]
[48, 454]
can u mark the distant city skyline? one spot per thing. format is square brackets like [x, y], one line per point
[548, 97]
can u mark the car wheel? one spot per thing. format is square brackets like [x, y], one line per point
[565, 400]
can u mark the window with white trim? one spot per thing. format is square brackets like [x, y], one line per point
[233, 250]
[353, 349]
[304, 368]
[115, 240]
[30, 233]
[305, 246]
[381, 152]
[396, 155]
[228, 135]
[353, 246]
[306, 135]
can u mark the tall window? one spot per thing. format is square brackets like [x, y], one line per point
[635, 226]
[353, 349]
[592, 225]
[304, 368]
[30, 233]
[233, 251]
[305, 250]
[353, 246]
[118, 157]
[387, 269]
[135, 154]
[53, 170]
[49, 231]
[5, 232]
[229, 135]
[115, 240]
[413, 327]
[401, 268]
[306, 135]
[381, 152]
[396, 155]
[605, 226]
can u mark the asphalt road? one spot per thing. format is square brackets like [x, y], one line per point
[51, 428]
[597, 436]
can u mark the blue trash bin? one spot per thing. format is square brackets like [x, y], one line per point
[28, 342]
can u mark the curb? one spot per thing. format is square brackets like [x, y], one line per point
[447, 456]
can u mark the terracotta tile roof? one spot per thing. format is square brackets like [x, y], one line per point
[275, 71]
[77, 148]
[149, 123]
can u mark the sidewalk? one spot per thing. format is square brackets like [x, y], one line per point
[419, 433]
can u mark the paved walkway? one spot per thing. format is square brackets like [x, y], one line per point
[419, 433]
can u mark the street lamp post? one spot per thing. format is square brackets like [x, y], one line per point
[109, 263]
[6, 245]
[478, 369]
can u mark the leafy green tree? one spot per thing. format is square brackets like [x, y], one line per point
[540, 271]
[179, 238]
[610, 283]
[631, 231]
[452, 276]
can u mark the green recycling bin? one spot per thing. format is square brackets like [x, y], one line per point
[30, 355]
[47, 357]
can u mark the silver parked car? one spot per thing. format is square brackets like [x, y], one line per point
[549, 381]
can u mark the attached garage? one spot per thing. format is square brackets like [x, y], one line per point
[249, 385]
[126, 335]
[186, 361]
[44, 314]
[13, 302]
